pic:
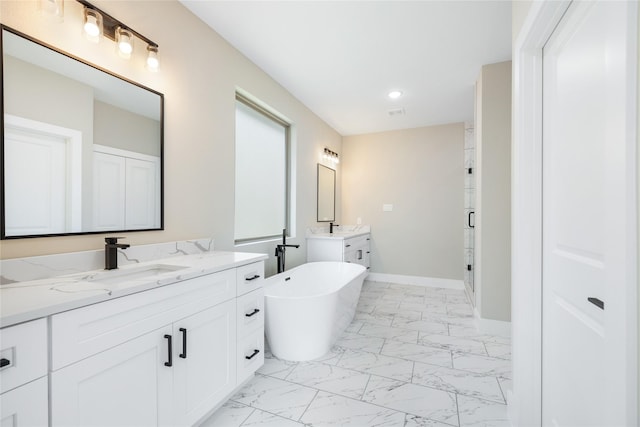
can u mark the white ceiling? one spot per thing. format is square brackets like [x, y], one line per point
[341, 58]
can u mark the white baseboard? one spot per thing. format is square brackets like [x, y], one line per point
[492, 327]
[400, 279]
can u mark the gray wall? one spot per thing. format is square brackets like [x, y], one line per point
[493, 192]
[199, 74]
[118, 128]
[421, 172]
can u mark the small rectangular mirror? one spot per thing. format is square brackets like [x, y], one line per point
[81, 147]
[326, 194]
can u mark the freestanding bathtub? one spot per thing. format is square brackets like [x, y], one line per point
[309, 306]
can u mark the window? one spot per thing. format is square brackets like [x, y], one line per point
[262, 173]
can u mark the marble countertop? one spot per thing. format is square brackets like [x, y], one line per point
[24, 301]
[340, 232]
[341, 235]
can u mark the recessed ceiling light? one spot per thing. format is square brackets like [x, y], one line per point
[395, 94]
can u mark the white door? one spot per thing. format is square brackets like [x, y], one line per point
[142, 194]
[127, 385]
[204, 361]
[588, 217]
[109, 189]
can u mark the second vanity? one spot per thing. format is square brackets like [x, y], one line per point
[159, 343]
[350, 244]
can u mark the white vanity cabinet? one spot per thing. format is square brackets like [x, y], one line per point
[23, 375]
[167, 356]
[355, 249]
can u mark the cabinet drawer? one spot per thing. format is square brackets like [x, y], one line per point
[26, 406]
[250, 277]
[356, 242]
[250, 355]
[250, 312]
[23, 349]
[80, 333]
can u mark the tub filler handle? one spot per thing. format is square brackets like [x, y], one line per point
[254, 312]
[255, 353]
[254, 277]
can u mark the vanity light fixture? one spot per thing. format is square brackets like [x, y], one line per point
[332, 156]
[98, 23]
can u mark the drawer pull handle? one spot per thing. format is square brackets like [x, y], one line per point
[253, 313]
[254, 277]
[255, 352]
[359, 253]
[595, 301]
[347, 246]
[4, 362]
[169, 350]
[184, 343]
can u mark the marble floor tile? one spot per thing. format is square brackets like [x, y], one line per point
[413, 306]
[457, 381]
[275, 367]
[369, 284]
[481, 413]
[360, 342]
[264, 419]
[231, 414]
[334, 379]
[460, 309]
[330, 410]
[398, 334]
[507, 386]
[416, 421]
[372, 363]
[413, 399]
[375, 319]
[276, 396]
[498, 350]
[403, 287]
[473, 333]
[434, 309]
[413, 299]
[332, 357]
[417, 353]
[452, 343]
[483, 365]
[355, 326]
[466, 321]
[405, 314]
[421, 325]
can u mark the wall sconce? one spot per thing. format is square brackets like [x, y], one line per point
[98, 23]
[331, 156]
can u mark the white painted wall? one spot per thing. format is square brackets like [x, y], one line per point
[199, 75]
[421, 173]
[493, 192]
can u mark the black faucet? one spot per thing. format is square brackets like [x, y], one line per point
[111, 252]
[331, 225]
[280, 250]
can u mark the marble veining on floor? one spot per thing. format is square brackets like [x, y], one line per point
[411, 358]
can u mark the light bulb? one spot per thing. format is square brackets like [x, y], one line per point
[125, 42]
[92, 25]
[152, 58]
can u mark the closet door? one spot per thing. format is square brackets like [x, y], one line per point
[108, 192]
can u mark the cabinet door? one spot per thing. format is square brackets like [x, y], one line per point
[25, 406]
[127, 385]
[205, 364]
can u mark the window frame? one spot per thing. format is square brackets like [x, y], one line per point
[271, 114]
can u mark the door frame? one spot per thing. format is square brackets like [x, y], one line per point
[525, 404]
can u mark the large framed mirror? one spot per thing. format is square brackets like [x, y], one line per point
[326, 194]
[81, 148]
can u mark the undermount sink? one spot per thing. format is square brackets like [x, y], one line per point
[134, 273]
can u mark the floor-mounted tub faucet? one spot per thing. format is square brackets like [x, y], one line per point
[281, 249]
[111, 252]
[331, 225]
